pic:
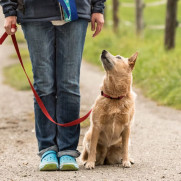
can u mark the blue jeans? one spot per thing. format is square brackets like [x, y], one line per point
[56, 54]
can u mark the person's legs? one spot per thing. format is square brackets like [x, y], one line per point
[69, 47]
[40, 37]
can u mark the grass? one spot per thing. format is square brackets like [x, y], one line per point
[157, 71]
[24, 53]
[15, 77]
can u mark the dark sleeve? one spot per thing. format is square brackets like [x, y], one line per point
[98, 6]
[9, 7]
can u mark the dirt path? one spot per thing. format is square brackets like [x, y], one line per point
[156, 136]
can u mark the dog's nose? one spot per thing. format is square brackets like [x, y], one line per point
[104, 54]
[104, 51]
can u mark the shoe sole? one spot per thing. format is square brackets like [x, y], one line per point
[68, 167]
[49, 167]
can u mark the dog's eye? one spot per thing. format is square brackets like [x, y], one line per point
[119, 57]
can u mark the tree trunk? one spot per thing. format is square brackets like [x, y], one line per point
[139, 16]
[105, 16]
[171, 23]
[115, 15]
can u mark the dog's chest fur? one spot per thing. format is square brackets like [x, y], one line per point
[111, 133]
[112, 116]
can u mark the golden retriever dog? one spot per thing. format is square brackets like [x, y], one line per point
[107, 140]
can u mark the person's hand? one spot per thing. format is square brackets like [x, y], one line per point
[8, 23]
[97, 22]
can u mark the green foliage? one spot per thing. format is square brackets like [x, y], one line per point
[15, 76]
[24, 54]
[20, 37]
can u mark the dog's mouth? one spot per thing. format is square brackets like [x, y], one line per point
[108, 65]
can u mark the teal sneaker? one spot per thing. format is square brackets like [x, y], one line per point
[68, 163]
[49, 161]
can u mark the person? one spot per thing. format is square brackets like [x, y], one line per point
[56, 54]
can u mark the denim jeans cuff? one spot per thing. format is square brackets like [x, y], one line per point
[73, 153]
[52, 148]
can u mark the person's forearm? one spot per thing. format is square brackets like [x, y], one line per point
[98, 6]
[9, 7]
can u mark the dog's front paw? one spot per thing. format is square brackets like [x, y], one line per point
[90, 165]
[126, 164]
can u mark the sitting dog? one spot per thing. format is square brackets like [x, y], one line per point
[107, 140]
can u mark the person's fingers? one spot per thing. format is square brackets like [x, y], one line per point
[98, 29]
[97, 22]
[13, 30]
[9, 21]
[7, 27]
[93, 24]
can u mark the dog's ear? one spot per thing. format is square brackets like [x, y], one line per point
[132, 60]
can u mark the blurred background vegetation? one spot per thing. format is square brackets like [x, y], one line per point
[158, 68]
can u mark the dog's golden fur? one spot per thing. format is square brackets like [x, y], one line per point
[107, 139]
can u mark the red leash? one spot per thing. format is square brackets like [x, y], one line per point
[39, 101]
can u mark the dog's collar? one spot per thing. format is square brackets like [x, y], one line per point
[105, 95]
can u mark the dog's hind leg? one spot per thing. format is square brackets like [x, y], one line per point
[114, 154]
[101, 154]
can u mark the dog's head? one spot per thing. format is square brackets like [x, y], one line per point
[118, 64]
[118, 71]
